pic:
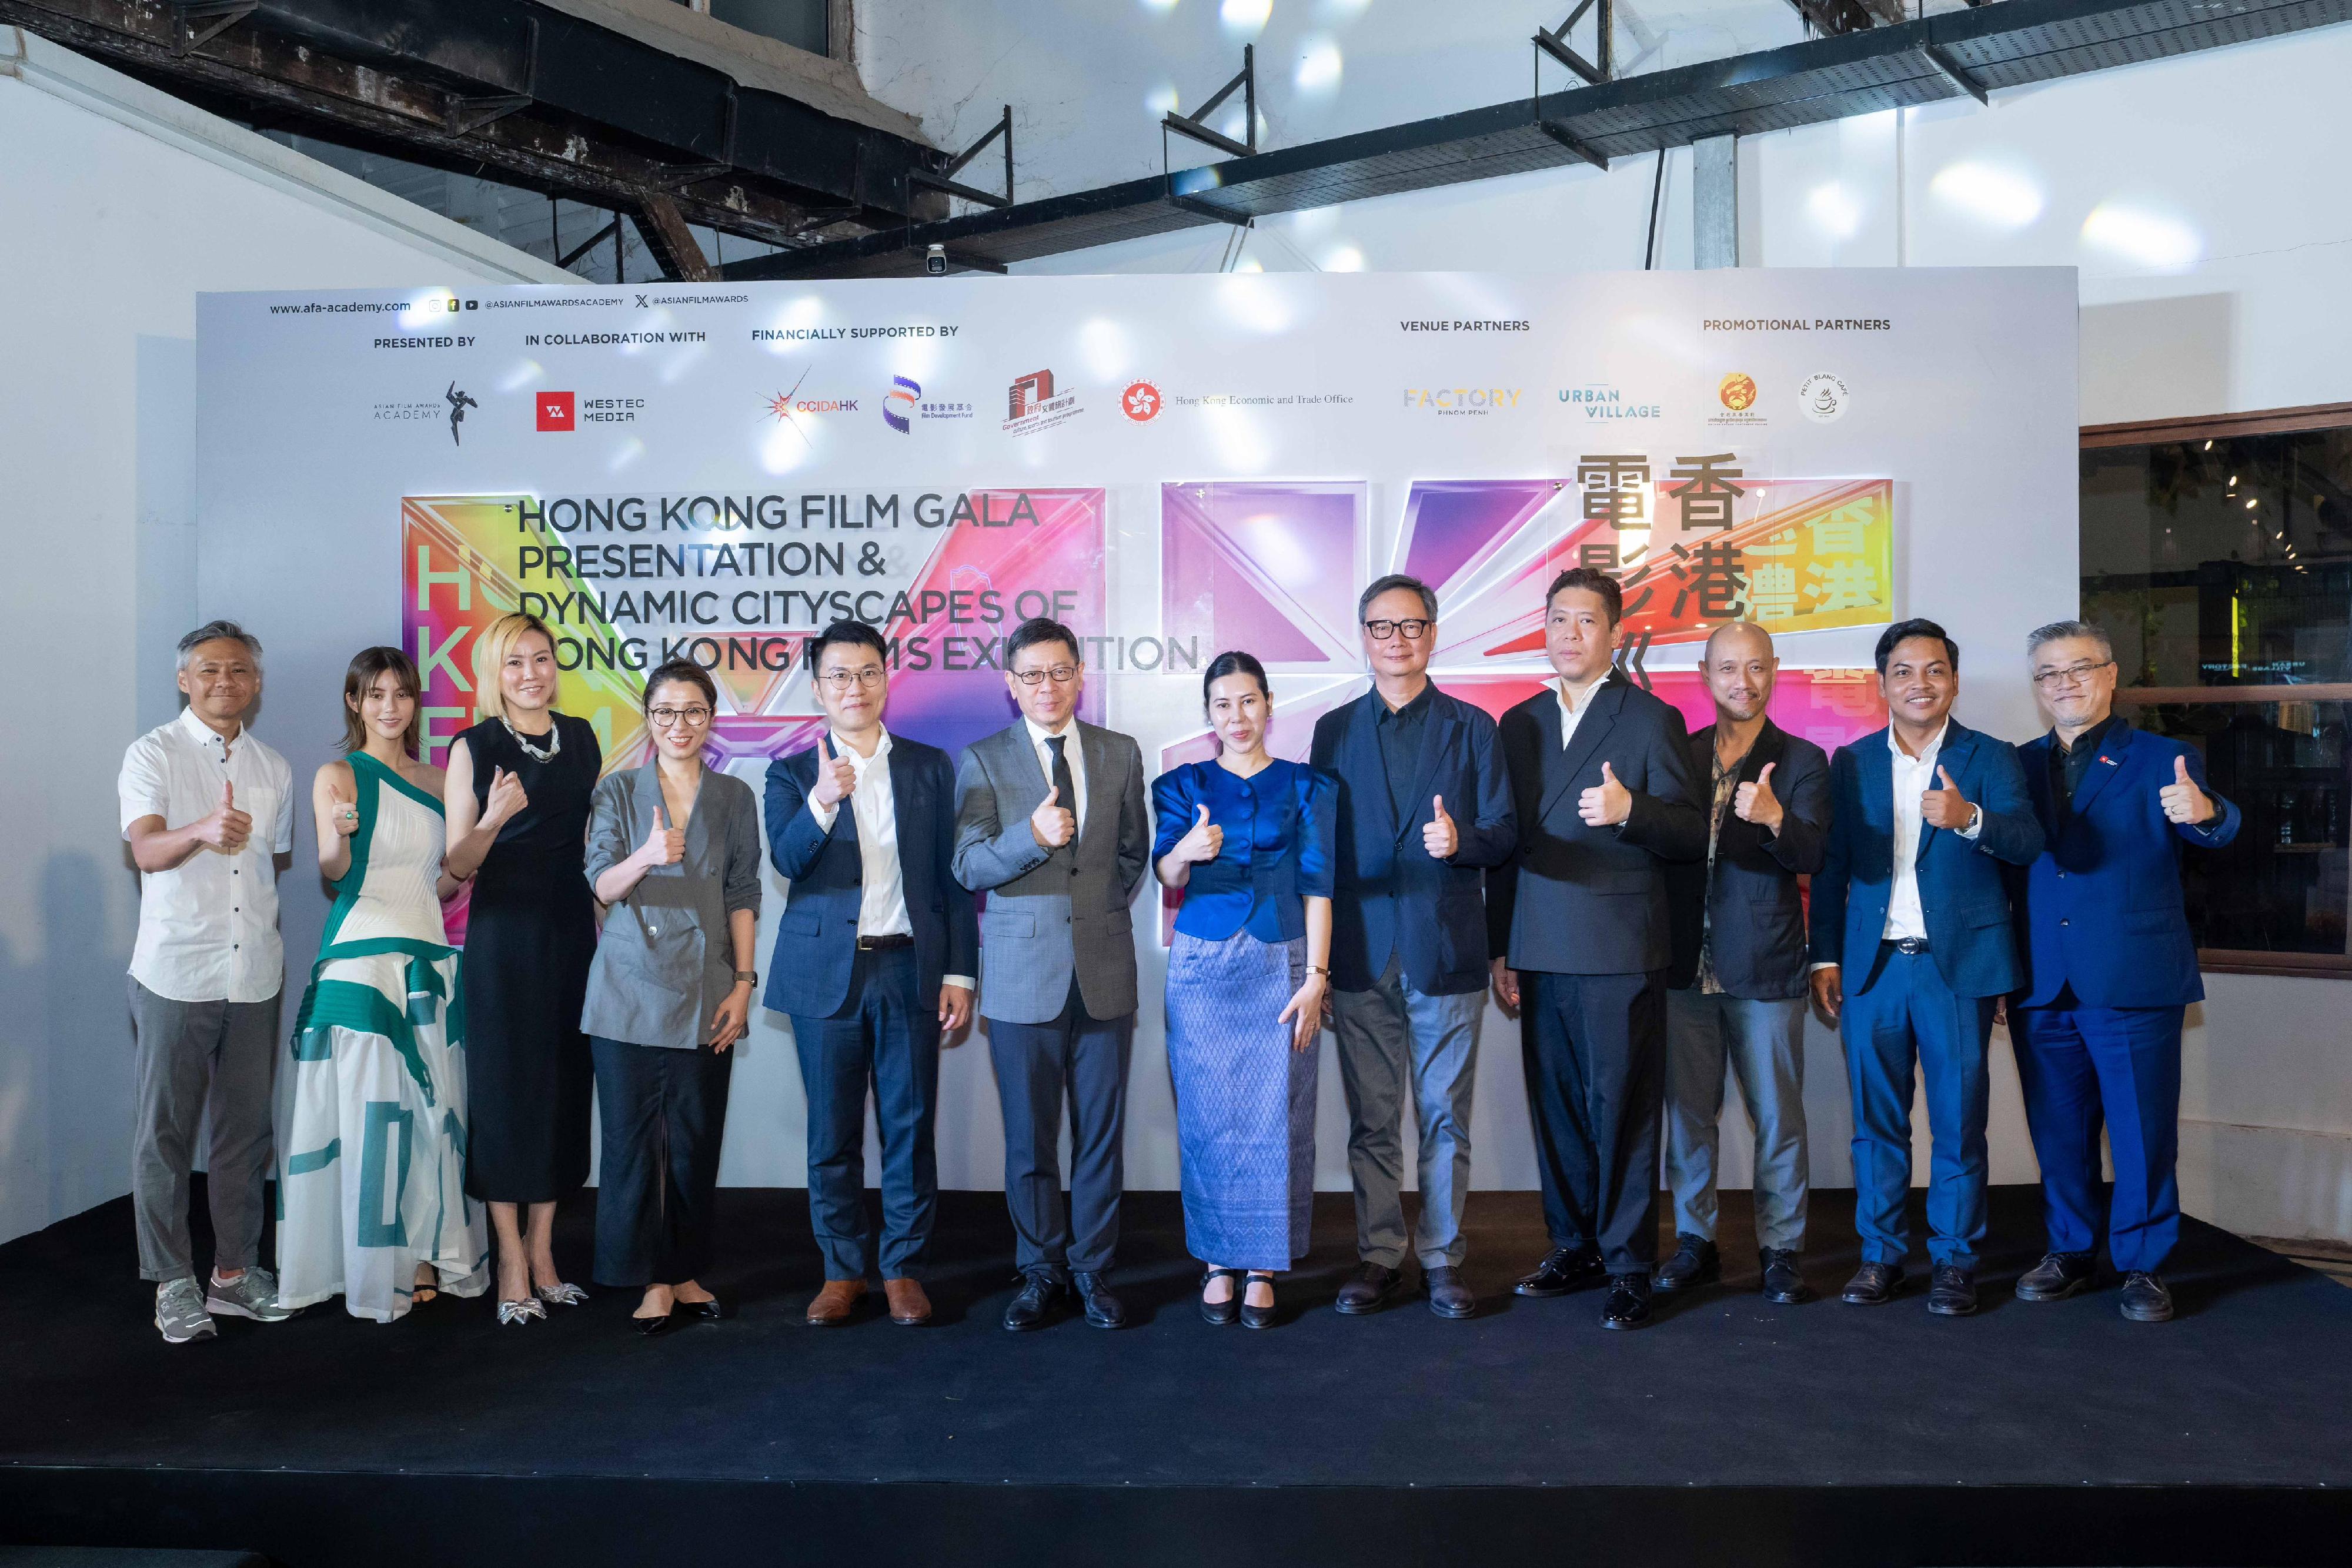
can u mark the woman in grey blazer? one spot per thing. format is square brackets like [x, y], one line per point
[674, 849]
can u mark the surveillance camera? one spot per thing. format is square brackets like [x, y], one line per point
[935, 260]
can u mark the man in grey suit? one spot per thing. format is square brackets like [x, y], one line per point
[1054, 833]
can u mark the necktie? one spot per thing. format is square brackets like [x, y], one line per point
[1061, 779]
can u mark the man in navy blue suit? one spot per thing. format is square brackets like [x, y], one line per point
[2111, 969]
[876, 954]
[1423, 806]
[1913, 947]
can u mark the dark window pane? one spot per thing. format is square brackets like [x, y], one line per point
[800, 23]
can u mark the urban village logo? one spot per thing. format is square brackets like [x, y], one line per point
[1031, 406]
[1606, 402]
[903, 404]
[1473, 401]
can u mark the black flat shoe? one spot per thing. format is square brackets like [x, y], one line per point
[2058, 1276]
[1228, 1311]
[1032, 1305]
[1257, 1317]
[1448, 1296]
[1103, 1310]
[2146, 1299]
[646, 1328]
[1564, 1269]
[710, 1312]
[1367, 1289]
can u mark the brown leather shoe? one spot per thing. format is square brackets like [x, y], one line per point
[908, 1305]
[836, 1303]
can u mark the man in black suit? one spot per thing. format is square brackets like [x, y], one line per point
[875, 954]
[1737, 986]
[1605, 795]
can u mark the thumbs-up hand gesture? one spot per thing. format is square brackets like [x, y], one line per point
[1205, 842]
[1946, 807]
[1756, 802]
[835, 776]
[1052, 824]
[664, 845]
[2183, 801]
[346, 815]
[1439, 836]
[507, 799]
[1607, 803]
[226, 829]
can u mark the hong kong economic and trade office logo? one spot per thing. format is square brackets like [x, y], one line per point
[1032, 404]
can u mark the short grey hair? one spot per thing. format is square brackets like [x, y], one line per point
[218, 632]
[2058, 630]
[1396, 580]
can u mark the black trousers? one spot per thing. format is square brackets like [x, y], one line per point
[1595, 1048]
[1038, 1065]
[664, 1112]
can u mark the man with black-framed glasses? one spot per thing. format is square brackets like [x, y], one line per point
[1424, 807]
[1050, 824]
[2110, 968]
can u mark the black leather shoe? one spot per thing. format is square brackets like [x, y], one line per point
[2146, 1299]
[1229, 1311]
[1628, 1306]
[1367, 1289]
[710, 1312]
[1103, 1309]
[1564, 1269]
[1695, 1262]
[647, 1327]
[2058, 1276]
[1257, 1317]
[1448, 1296]
[1952, 1291]
[1035, 1305]
[1873, 1284]
[1784, 1282]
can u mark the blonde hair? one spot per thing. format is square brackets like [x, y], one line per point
[490, 651]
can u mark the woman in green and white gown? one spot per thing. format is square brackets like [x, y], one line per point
[371, 1099]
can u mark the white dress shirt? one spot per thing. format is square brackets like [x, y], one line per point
[1573, 704]
[874, 806]
[208, 927]
[1038, 735]
[1914, 776]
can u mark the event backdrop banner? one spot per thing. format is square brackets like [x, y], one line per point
[1172, 466]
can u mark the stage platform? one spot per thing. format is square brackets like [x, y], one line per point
[1729, 1431]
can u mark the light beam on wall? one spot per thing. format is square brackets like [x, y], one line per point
[1996, 197]
[2149, 239]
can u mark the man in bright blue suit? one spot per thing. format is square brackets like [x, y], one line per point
[875, 954]
[2110, 968]
[1913, 947]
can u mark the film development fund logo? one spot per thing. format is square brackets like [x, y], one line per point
[1030, 405]
[904, 404]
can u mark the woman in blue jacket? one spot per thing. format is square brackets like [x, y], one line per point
[1249, 840]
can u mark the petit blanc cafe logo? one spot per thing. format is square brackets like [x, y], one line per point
[1472, 400]
[1823, 398]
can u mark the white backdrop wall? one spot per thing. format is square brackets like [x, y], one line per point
[117, 204]
[2214, 274]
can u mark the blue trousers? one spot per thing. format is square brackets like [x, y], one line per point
[2080, 1067]
[1909, 1013]
[886, 1040]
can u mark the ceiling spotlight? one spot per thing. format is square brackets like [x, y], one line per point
[2233, 481]
[2252, 501]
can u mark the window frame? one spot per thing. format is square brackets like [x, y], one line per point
[2214, 427]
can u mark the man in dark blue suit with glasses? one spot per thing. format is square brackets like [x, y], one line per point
[2111, 969]
[1913, 948]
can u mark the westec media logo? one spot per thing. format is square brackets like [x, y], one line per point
[899, 405]
[556, 410]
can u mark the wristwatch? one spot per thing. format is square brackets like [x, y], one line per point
[747, 977]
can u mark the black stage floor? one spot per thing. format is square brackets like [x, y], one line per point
[1729, 1431]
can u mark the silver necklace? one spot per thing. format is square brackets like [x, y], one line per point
[554, 741]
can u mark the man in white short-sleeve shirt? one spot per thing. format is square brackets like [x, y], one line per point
[206, 810]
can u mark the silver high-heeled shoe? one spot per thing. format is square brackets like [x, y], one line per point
[560, 1295]
[520, 1311]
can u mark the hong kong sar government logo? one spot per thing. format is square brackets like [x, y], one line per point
[1141, 403]
[899, 405]
[1737, 392]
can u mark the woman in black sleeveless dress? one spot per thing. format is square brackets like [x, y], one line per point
[519, 784]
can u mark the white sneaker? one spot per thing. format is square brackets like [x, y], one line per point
[180, 1312]
[252, 1294]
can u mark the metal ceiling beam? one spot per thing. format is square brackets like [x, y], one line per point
[2011, 43]
[549, 102]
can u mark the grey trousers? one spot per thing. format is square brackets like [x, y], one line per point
[1386, 1034]
[194, 1056]
[1765, 1043]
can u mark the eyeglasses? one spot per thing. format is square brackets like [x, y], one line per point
[669, 717]
[2072, 675]
[1413, 631]
[842, 680]
[1063, 674]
